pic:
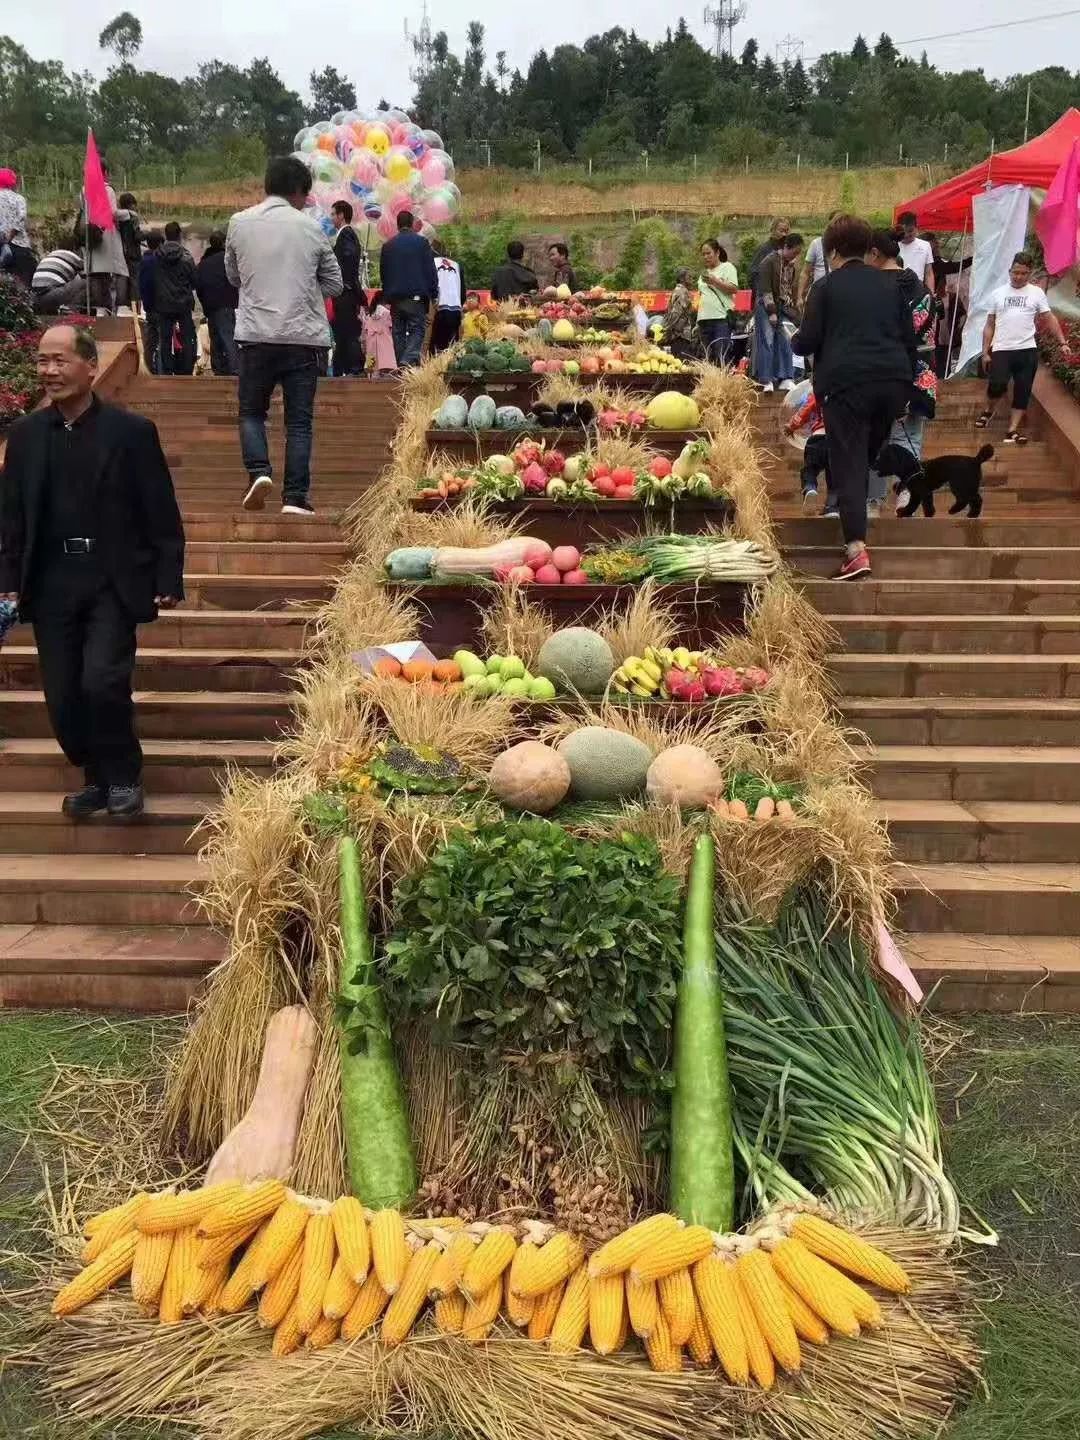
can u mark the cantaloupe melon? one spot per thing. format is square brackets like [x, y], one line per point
[605, 764]
[577, 658]
[562, 331]
[685, 775]
[530, 776]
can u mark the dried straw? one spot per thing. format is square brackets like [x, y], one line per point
[631, 626]
[724, 398]
[513, 625]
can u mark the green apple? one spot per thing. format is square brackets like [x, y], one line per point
[476, 684]
[571, 367]
[494, 664]
[541, 689]
[512, 668]
[468, 663]
[515, 688]
[494, 684]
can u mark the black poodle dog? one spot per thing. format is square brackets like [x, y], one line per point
[916, 483]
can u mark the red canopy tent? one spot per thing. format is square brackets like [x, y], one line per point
[948, 206]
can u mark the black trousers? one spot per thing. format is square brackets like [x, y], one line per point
[445, 329]
[86, 651]
[182, 361]
[346, 328]
[857, 424]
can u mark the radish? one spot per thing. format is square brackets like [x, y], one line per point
[548, 575]
[537, 553]
[575, 577]
[566, 557]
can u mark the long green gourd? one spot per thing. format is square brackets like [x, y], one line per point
[702, 1151]
[374, 1117]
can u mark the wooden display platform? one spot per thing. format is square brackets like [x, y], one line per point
[586, 524]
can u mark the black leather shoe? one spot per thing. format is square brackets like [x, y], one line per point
[85, 802]
[125, 801]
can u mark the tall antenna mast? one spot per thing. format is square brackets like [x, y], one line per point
[722, 18]
[420, 40]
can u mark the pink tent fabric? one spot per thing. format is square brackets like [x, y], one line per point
[99, 210]
[948, 205]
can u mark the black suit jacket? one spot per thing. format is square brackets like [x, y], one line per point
[140, 534]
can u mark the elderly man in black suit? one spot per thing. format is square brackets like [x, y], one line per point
[91, 545]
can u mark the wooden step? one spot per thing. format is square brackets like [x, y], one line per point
[160, 668]
[148, 968]
[992, 832]
[99, 890]
[217, 715]
[254, 592]
[1004, 973]
[959, 634]
[32, 821]
[967, 773]
[901, 596]
[948, 562]
[275, 557]
[170, 767]
[262, 525]
[1037, 676]
[982, 534]
[1000, 899]
[205, 629]
[974, 722]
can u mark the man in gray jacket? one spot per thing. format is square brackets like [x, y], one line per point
[284, 267]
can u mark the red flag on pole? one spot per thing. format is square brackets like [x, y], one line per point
[1056, 222]
[99, 211]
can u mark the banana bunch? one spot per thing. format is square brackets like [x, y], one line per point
[643, 675]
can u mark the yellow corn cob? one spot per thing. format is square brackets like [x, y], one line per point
[341, 1291]
[488, 1261]
[315, 1271]
[545, 1308]
[699, 1343]
[816, 1282]
[450, 1313]
[288, 1335]
[149, 1266]
[253, 1202]
[450, 1266]
[169, 1212]
[201, 1287]
[714, 1286]
[209, 1254]
[867, 1310]
[607, 1313]
[675, 1250]
[519, 1308]
[109, 1267]
[212, 1304]
[366, 1308]
[808, 1323]
[325, 1333]
[676, 1294]
[410, 1296]
[568, 1330]
[547, 1265]
[276, 1241]
[105, 1217]
[480, 1315]
[850, 1252]
[759, 1356]
[624, 1329]
[389, 1253]
[114, 1223]
[181, 1264]
[642, 1303]
[663, 1355]
[280, 1294]
[351, 1234]
[619, 1254]
[240, 1286]
[762, 1286]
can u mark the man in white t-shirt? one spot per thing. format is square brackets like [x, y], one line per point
[916, 254]
[1010, 348]
[815, 264]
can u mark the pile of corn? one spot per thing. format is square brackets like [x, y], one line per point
[319, 1272]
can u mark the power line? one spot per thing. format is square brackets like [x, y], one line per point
[970, 30]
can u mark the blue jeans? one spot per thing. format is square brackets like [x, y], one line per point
[716, 338]
[221, 324]
[772, 360]
[409, 324]
[296, 369]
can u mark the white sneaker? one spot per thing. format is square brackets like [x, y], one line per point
[297, 507]
[767, 389]
[255, 498]
[787, 384]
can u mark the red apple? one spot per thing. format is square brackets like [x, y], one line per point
[566, 557]
[548, 575]
[520, 575]
[537, 553]
[575, 577]
[539, 367]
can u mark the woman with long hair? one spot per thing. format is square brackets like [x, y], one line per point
[717, 286]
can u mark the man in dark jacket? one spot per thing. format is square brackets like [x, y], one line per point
[351, 301]
[148, 301]
[562, 272]
[410, 285]
[91, 545]
[513, 277]
[174, 297]
[219, 298]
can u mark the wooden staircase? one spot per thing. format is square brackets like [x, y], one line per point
[959, 661]
[100, 914]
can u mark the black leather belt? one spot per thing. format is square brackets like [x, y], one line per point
[79, 545]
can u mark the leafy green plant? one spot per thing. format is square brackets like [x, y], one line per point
[524, 938]
[16, 311]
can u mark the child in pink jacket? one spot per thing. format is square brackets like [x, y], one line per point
[378, 337]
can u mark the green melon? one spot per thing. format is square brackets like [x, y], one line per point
[605, 764]
[577, 659]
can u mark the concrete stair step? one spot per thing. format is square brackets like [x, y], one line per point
[948, 562]
[142, 890]
[211, 716]
[1004, 973]
[1000, 899]
[32, 820]
[1040, 677]
[175, 669]
[170, 767]
[979, 773]
[972, 723]
[148, 968]
[959, 634]
[904, 596]
[947, 832]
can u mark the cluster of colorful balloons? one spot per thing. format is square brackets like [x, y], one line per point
[382, 163]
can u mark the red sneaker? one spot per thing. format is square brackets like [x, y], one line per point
[854, 567]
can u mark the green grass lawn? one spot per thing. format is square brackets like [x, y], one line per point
[1010, 1096]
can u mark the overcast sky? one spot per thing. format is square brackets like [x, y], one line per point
[366, 41]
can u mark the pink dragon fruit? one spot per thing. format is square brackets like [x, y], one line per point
[722, 681]
[535, 478]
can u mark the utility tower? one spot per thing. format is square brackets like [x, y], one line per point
[722, 18]
[420, 41]
[789, 49]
